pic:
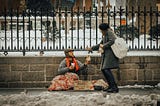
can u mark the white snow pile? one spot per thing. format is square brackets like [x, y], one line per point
[158, 85]
[92, 99]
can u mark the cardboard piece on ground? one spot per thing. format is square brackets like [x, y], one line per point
[83, 85]
[89, 85]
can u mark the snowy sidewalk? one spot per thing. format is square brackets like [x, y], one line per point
[41, 97]
[122, 90]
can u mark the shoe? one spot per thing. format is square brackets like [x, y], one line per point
[113, 90]
[106, 88]
[98, 88]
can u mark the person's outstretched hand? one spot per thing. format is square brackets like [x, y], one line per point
[87, 60]
[89, 49]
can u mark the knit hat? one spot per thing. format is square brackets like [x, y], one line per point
[66, 51]
[104, 26]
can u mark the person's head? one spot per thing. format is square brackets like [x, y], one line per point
[69, 53]
[104, 27]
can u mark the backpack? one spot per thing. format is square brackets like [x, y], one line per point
[119, 48]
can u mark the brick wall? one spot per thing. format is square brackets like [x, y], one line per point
[30, 72]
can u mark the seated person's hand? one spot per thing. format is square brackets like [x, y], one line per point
[71, 67]
[87, 60]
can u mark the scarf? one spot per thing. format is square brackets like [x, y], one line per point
[74, 61]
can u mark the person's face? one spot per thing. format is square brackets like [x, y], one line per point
[103, 32]
[71, 54]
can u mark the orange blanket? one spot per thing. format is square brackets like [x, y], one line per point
[63, 82]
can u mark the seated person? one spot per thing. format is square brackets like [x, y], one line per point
[69, 70]
[71, 64]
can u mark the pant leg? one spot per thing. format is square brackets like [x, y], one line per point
[110, 78]
[103, 71]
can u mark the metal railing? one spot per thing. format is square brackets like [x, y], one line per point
[49, 30]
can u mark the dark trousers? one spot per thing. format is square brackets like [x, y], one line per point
[110, 78]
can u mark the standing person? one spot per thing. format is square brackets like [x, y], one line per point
[109, 60]
[71, 64]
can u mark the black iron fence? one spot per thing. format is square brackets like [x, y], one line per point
[50, 30]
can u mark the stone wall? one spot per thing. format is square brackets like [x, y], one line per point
[20, 72]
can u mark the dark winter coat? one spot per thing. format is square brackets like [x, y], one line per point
[109, 60]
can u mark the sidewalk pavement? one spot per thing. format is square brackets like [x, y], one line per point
[122, 91]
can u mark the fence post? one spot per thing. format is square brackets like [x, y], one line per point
[24, 51]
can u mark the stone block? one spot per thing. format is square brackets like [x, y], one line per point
[4, 67]
[144, 74]
[10, 76]
[131, 59]
[97, 77]
[81, 59]
[19, 67]
[123, 83]
[51, 70]
[33, 76]
[129, 74]
[115, 74]
[92, 69]
[37, 67]
[49, 78]
[152, 59]
[121, 61]
[98, 71]
[57, 60]
[27, 84]
[156, 74]
[4, 60]
[95, 60]
[129, 66]
[3, 85]
[40, 60]
[153, 66]
[152, 83]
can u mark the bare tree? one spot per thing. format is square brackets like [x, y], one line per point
[81, 4]
[12, 4]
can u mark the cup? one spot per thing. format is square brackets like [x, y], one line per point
[88, 58]
[73, 64]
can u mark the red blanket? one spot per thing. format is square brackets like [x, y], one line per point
[63, 82]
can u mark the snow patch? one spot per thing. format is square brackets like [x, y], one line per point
[93, 99]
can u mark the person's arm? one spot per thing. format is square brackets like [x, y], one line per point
[111, 39]
[63, 68]
[96, 47]
[81, 65]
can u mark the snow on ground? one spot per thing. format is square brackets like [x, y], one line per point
[142, 97]
[85, 99]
